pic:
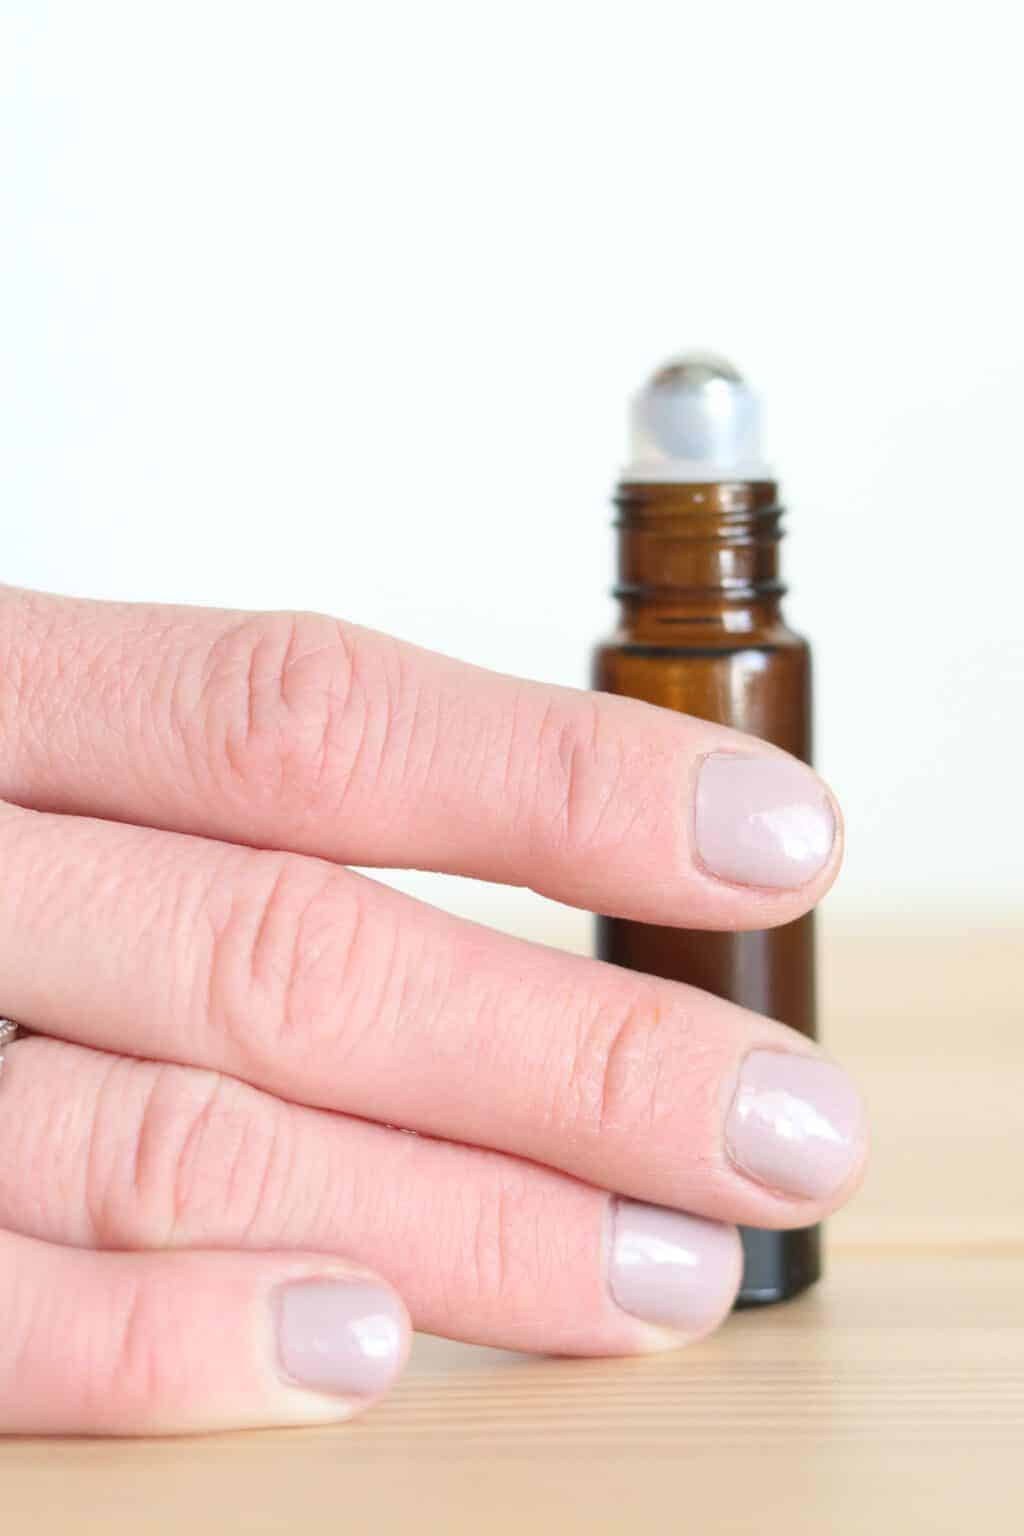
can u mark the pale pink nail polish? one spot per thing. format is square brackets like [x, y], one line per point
[673, 1270]
[762, 820]
[344, 1337]
[796, 1124]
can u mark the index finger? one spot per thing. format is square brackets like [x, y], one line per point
[298, 732]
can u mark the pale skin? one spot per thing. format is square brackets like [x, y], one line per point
[230, 1033]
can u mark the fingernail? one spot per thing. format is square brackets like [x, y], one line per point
[762, 820]
[673, 1270]
[343, 1337]
[796, 1124]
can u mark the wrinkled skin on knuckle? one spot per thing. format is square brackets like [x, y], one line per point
[137, 1369]
[528, 1252]
[495, 1249]
[141, 1378]
[232, 1169]
[294, 968]
[297, 713]
[491, 1261]
[122, 1187]
[612, 1070]
[480, 1244]
[579, 804]
[176, 1156]
[634, 1069]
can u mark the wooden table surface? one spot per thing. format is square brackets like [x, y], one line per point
[888, 1400]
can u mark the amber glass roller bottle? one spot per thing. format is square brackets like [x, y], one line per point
[701, 630]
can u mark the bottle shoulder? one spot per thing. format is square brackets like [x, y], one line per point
[760, 684]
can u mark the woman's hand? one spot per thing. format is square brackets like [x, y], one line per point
[209, 1209]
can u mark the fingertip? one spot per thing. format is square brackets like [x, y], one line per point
[677, 1274]
[765, 820]
[798, 1127]
[341, 1343]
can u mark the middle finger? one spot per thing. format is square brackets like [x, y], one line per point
[334, 991]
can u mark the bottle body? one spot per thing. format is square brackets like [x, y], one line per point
[702, 633]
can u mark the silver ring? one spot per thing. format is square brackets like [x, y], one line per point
[8, 1031]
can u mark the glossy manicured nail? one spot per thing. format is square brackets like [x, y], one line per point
[343, 1337]
[796, 1124]
[762, 820]
[672, 1270]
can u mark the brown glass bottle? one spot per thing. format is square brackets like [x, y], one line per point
[701, 631]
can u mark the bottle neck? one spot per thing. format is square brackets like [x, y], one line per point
[699, 556]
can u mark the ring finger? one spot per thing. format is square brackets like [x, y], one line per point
[482, 1247]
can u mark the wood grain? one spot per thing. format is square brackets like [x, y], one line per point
[890, 1399]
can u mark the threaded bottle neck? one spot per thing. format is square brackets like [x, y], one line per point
[698, 554]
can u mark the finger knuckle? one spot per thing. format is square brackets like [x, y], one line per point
[615, 1085]
[140, 1368]
[577, 798]
[280, 702]
[142, 1378]
[496, 1259]
[514, 1245]
[299, 709]
[488, 1251]
[185, 1151]
[296, 964]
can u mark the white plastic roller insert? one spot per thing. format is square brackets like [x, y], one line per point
[696, 420]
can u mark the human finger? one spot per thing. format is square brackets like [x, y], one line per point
[329, 989]
[298, 732]
[482, 1247]
[168, 1343]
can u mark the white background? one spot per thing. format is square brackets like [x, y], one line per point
[338, 305]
